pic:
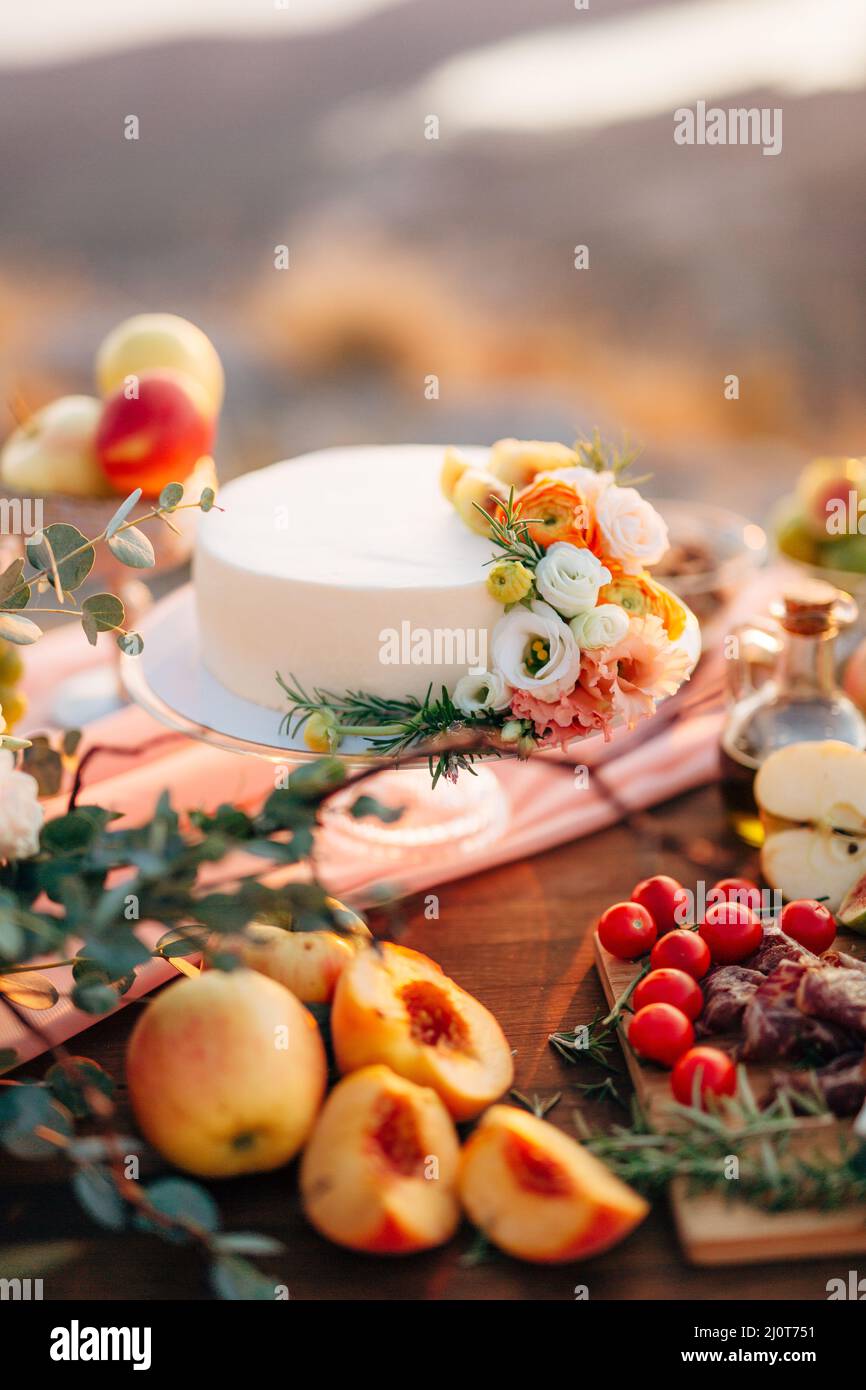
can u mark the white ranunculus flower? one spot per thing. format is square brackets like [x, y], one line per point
[633, 532]
[570, 578]
[513, 640]
[21, 815]
[600, 627]
[476, 693]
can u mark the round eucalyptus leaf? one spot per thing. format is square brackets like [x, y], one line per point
[171, 496]
[60, 541]
[130, 643]
[97, 1194]
[21, 631]
[132, 547]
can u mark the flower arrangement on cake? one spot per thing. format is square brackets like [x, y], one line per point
[587, 638]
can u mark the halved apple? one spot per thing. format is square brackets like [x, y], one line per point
[396, 1006]
[812, 799]
[538, 1194]
[380, 1170]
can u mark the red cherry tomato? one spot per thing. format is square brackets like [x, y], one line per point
[626, 930]
[735, 890]
[810, 923]
[666, 901]
[661, 1033]
[682, 950]
[667, 986]
[732, 932]
[707, 1067]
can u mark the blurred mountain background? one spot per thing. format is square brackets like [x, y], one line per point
[412, 258]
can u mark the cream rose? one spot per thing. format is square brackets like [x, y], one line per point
[633, 532]
[600, 627]
[21, 815]
[539, 636]
[476, 693]
[570, 578]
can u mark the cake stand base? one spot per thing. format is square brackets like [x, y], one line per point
[458, 816]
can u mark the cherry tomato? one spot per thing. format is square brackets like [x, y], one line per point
[735, 890]
[810, 923]
[715, 1072]
[626, 930]
[661, 1033]
[666, 901]
[732, 932]
[667, 986]
[682, 950]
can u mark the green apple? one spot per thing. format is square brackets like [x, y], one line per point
[160, 342]
[55, 450]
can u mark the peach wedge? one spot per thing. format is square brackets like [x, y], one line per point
[394, 1005]
[380, 1169]
[538, 1194]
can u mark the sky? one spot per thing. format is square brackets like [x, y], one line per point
[582, 73]
[50, 31]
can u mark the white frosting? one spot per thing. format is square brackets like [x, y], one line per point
[316, 558]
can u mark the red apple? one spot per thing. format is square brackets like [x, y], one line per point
[153, 432]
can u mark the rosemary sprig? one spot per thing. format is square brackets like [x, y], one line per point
[699, 1147]
[511, 535]
[602, 457]
[393, 727]
[537, 1105]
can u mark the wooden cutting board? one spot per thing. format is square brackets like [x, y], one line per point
[718, 1230]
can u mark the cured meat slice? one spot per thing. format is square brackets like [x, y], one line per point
[775, 947]
[774, 1029]
[727, 991]
[836, 996]
[841, 1084]
[842, 958]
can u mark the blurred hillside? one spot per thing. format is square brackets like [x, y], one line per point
[453, 257]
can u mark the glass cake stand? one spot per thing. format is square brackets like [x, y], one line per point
[170, 681]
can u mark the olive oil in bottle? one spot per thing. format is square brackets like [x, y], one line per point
[798, 700]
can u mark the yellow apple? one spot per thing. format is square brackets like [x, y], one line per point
[153, 342]
[226, 1073]
[55, 450]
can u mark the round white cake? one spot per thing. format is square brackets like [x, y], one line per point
[342, 570]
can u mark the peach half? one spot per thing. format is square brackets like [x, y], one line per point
[380, 1169]
[396, 1006]
[538, 1194]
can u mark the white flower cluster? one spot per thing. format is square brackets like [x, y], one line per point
[21, 815]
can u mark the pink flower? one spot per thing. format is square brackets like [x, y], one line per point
[581, 710]
[646, 665]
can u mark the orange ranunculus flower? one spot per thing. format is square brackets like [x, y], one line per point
[640, 595]
[558, 511]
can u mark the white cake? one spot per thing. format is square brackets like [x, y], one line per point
[327, 567]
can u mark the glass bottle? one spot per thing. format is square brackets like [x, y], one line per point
[796, 701]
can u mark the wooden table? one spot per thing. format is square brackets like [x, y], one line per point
[519, 938]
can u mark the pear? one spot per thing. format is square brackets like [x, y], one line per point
[812, 799]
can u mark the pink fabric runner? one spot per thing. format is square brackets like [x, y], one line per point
[543, 803]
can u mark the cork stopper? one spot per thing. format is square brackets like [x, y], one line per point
[811, 607]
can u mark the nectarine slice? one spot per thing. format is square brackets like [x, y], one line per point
[379, 1171]
[396, 1006]
[538, 1194]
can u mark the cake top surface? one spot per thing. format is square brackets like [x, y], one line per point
[359, 517]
